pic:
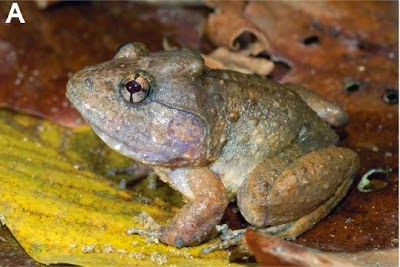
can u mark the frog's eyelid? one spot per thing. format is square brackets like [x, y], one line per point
[121, 46]
[134, 74]
[131, 50]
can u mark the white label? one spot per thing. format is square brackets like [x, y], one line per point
[15, 12]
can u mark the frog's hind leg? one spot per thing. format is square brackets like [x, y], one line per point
[291, 230]
[293, 196]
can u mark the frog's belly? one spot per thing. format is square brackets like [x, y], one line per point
[238, 159]
[232, 175]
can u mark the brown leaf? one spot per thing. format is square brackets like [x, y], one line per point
[227, 27]
[222, 58]
[330, 44]
[273, 251]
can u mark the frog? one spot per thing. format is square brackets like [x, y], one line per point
[219, 136]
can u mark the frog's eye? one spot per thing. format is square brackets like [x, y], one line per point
[136, 89]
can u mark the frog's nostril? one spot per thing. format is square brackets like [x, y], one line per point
[88, 82]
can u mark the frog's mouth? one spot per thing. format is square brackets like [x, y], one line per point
[134, 152]
[182, 143]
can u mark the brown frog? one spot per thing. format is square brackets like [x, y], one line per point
[216, 136]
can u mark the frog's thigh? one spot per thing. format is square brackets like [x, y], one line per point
[305, 190]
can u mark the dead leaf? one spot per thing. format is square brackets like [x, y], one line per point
[222, 58]
[330, 44]
[273, 251]
[226, 27]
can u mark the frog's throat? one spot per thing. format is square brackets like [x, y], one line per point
[158, 158]
[125, 149]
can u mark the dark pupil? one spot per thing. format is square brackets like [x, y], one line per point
[133, 87]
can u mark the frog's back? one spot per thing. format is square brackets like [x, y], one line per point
[264, 118]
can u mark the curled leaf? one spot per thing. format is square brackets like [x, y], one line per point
[222, 58]
[226, 28]
[273, 251]
[369, 184]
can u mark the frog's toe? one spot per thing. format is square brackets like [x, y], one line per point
[223, 245]
[144, 232]
[159, 235]
[229, 238]
[151, 230]
[230, 235]
[149, 236]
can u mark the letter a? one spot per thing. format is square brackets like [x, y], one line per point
[15, 13]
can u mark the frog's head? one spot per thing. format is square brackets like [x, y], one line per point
[146, 105]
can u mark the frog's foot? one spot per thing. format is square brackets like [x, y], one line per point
[229, 238]
[222, 245]
[151, 230]
[296, 196]
[277, 229]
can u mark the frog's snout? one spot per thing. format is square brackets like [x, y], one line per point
[71, 84]
[78, 85]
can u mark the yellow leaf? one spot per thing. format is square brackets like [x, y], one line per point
[57, 200]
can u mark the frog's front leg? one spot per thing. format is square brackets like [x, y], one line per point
[292, 197]
[195, 221]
